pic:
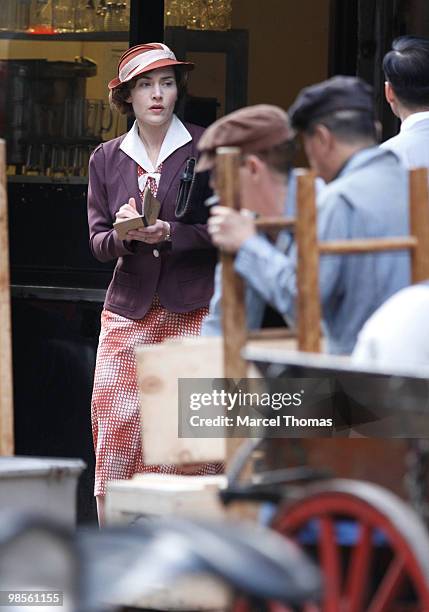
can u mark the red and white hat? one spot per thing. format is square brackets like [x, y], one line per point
[143, 58]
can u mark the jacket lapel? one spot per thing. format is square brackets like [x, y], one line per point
[128, 171]
[170, 168]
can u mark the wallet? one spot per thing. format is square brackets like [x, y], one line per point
[151, 208]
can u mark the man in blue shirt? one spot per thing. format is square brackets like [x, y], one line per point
[366, 197]
[267, 185]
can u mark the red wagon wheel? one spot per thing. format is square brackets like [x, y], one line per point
[383, 567]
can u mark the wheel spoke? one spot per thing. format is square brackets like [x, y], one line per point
[357, 575]
[241, 604]
[277, 607]
[389, 587]
[310, 608]
[274, 606]
[330, 562]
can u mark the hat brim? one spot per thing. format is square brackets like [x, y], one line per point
[163, 63]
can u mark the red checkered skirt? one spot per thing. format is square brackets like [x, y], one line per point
[115, 402]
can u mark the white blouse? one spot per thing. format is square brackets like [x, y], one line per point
[177, 135]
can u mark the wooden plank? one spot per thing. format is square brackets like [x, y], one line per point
[271, 333]
[367, 245]
[234, 325]
[308, 298]
[264, 223]
[419, 224]
[6, 387]
[233, 303]
[164, 495]
[159, 366]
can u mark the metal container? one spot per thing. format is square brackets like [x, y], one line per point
[40, 485]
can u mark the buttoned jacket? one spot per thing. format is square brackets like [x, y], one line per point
[180, 271]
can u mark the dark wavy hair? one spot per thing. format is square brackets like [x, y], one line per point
[119, 95]
[406, 67]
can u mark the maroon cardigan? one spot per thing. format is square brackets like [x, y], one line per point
[182, 275]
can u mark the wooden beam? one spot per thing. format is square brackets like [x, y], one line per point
[271, 333]
[6, 386]
[234, 324]
[419, 224]
[367, 245]
[233, 303]
[307, 274]
[264, 223]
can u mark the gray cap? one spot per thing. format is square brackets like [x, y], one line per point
[336, 94]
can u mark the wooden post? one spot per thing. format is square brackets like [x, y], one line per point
[233, 303]
[308, 294]
[419, 224]
[234, 324]
[6, 392]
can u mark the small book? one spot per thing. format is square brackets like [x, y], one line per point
[151, 208]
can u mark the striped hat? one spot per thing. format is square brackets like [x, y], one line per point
[142, 58]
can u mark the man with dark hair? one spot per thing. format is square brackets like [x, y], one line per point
[366, 198]
[406, 68]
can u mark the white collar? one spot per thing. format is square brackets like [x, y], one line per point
[177, 135]
[411, 120]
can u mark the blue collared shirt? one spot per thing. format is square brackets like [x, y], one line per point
[368, 199]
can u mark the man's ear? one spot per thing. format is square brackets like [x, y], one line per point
[323, 136]
[391, 98]
[253, 165]
[389, 93]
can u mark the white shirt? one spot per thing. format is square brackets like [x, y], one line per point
[411, 145]
[397, 334]
[177, 135]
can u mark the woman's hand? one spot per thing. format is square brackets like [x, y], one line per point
[229, 229]
[152, 234]
[127, 211]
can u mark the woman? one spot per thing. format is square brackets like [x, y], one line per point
[163, 278]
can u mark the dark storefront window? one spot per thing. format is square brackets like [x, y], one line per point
[56, 58]
[247, 51]
[362, 31]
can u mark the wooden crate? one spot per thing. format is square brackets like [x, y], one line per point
[42, 485]
[164, 495]
[147, 495]
[159, 367]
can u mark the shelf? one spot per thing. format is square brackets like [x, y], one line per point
[70, 36]
[52, 180]
[69, 294]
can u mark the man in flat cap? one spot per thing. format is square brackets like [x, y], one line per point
[366, 196]
[266, 141]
